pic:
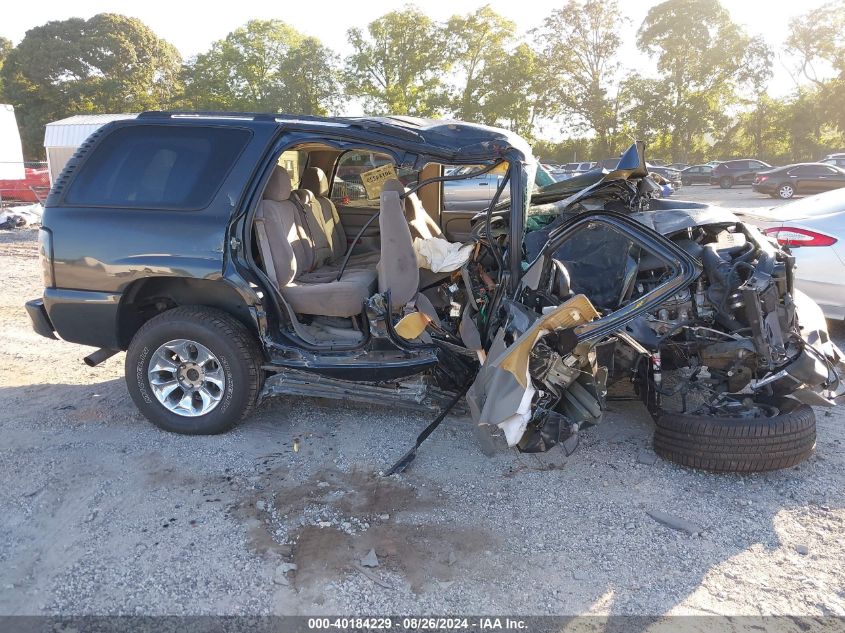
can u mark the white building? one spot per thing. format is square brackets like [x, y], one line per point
[62, 138]
[11, 156]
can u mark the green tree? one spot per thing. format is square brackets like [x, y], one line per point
[265, 65]
[818, 45]
[109, 63]
[5, 49]
[701, 58]
[517, 91]
[818, 36]
[476, 41]
[397, 65]
[580, 43]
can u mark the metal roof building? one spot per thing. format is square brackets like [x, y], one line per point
[62, 138]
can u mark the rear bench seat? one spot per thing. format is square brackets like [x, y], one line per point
[302, 251]
[324, 222]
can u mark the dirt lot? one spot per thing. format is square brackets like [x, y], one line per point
[103, 513]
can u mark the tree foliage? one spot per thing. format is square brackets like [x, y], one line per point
[398, 64]
[5, 49]
[701, 57]
[265, 65]
[109, 63]
[477, 43]
[705, 94]
[580, 44]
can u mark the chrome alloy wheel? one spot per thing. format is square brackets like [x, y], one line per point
[186, 378]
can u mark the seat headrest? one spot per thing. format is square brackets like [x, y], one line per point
[314, 179]
[279, 186]
[393, 184]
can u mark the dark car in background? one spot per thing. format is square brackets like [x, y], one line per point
[737, 172]
[696, 175]
[801, 178]
[837, 160]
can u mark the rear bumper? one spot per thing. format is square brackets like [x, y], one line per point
[40, 320]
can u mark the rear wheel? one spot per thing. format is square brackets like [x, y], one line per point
[726, 182]
[686, 182]
[194, 370]
[786, 191]
[767, 435]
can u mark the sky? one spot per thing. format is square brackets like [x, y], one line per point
[192, 26]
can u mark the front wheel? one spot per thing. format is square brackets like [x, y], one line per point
[194, 370]
[726, 182]
[768, 435]
[786, 191]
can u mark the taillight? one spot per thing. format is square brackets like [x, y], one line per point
[45, 256]
[792, 236]
[760, 179]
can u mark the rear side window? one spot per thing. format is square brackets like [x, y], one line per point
[158, 167]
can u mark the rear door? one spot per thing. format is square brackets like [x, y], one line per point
[830, 178]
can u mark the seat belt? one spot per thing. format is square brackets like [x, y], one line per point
[264, 248]
[303, 215]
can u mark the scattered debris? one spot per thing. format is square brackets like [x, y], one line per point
[802, 549]
[280, 578]
[372, 576]
[370, 560]
[673, 522]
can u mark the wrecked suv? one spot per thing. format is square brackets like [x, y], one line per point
[229, 260]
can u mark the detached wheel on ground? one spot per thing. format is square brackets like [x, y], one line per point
[194, 370]
[772, 434]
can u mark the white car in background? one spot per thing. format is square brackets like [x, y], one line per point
[814, 229]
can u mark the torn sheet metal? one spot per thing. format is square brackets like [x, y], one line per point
[503, 392]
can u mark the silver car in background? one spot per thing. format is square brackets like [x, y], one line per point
[476, 193]
[814, 229]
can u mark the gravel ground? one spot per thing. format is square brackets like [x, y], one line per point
[102, 513]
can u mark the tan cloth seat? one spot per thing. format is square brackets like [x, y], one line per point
[315, 181]
[296, 265]
[421, 223]
[397, 268]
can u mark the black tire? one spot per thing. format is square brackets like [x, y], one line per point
[726, 182]
[738, 445]
[228, 339]
[686, 183]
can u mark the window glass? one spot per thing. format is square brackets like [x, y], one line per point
[158, 167]
[293, 161]
[809, 170]
[348, 186]
[707, 169]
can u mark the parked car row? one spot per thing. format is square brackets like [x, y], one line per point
[778, 182]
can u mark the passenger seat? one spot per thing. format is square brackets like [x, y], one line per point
[324, 222]
[296, 266]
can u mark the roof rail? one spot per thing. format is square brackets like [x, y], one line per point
[216, 114]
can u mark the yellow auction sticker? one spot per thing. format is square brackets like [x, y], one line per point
[374, 179]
